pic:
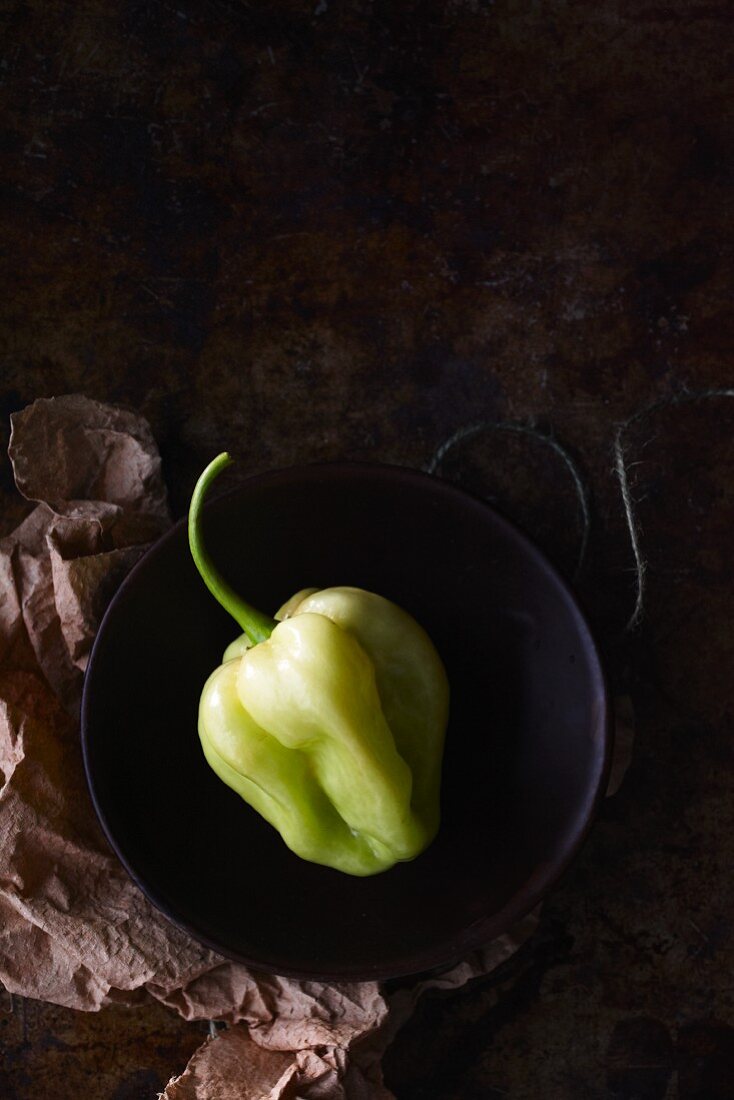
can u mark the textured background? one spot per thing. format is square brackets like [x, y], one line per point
[348, 230]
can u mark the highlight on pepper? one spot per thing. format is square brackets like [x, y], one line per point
[328, 719]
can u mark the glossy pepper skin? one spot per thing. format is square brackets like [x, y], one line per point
[331, 725]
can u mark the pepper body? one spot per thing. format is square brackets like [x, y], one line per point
[332, 729]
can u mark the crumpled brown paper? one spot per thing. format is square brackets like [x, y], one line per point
[343, 1072]
[95, 473]
[74, 929]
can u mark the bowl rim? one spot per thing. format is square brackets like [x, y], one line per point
[543, 878]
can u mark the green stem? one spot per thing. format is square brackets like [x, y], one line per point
[256, 626]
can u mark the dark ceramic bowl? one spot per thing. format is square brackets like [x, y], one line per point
[527, 746]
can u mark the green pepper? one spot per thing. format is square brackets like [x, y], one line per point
[328, 720]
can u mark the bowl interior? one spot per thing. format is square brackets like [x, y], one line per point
[526, 746]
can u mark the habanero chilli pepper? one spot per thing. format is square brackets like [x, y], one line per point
[328, 720]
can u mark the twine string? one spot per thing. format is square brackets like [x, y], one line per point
[582, 493]
[621, 468]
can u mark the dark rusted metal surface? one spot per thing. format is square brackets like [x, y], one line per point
[313, 231]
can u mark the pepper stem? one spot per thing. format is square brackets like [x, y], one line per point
[255, 624]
